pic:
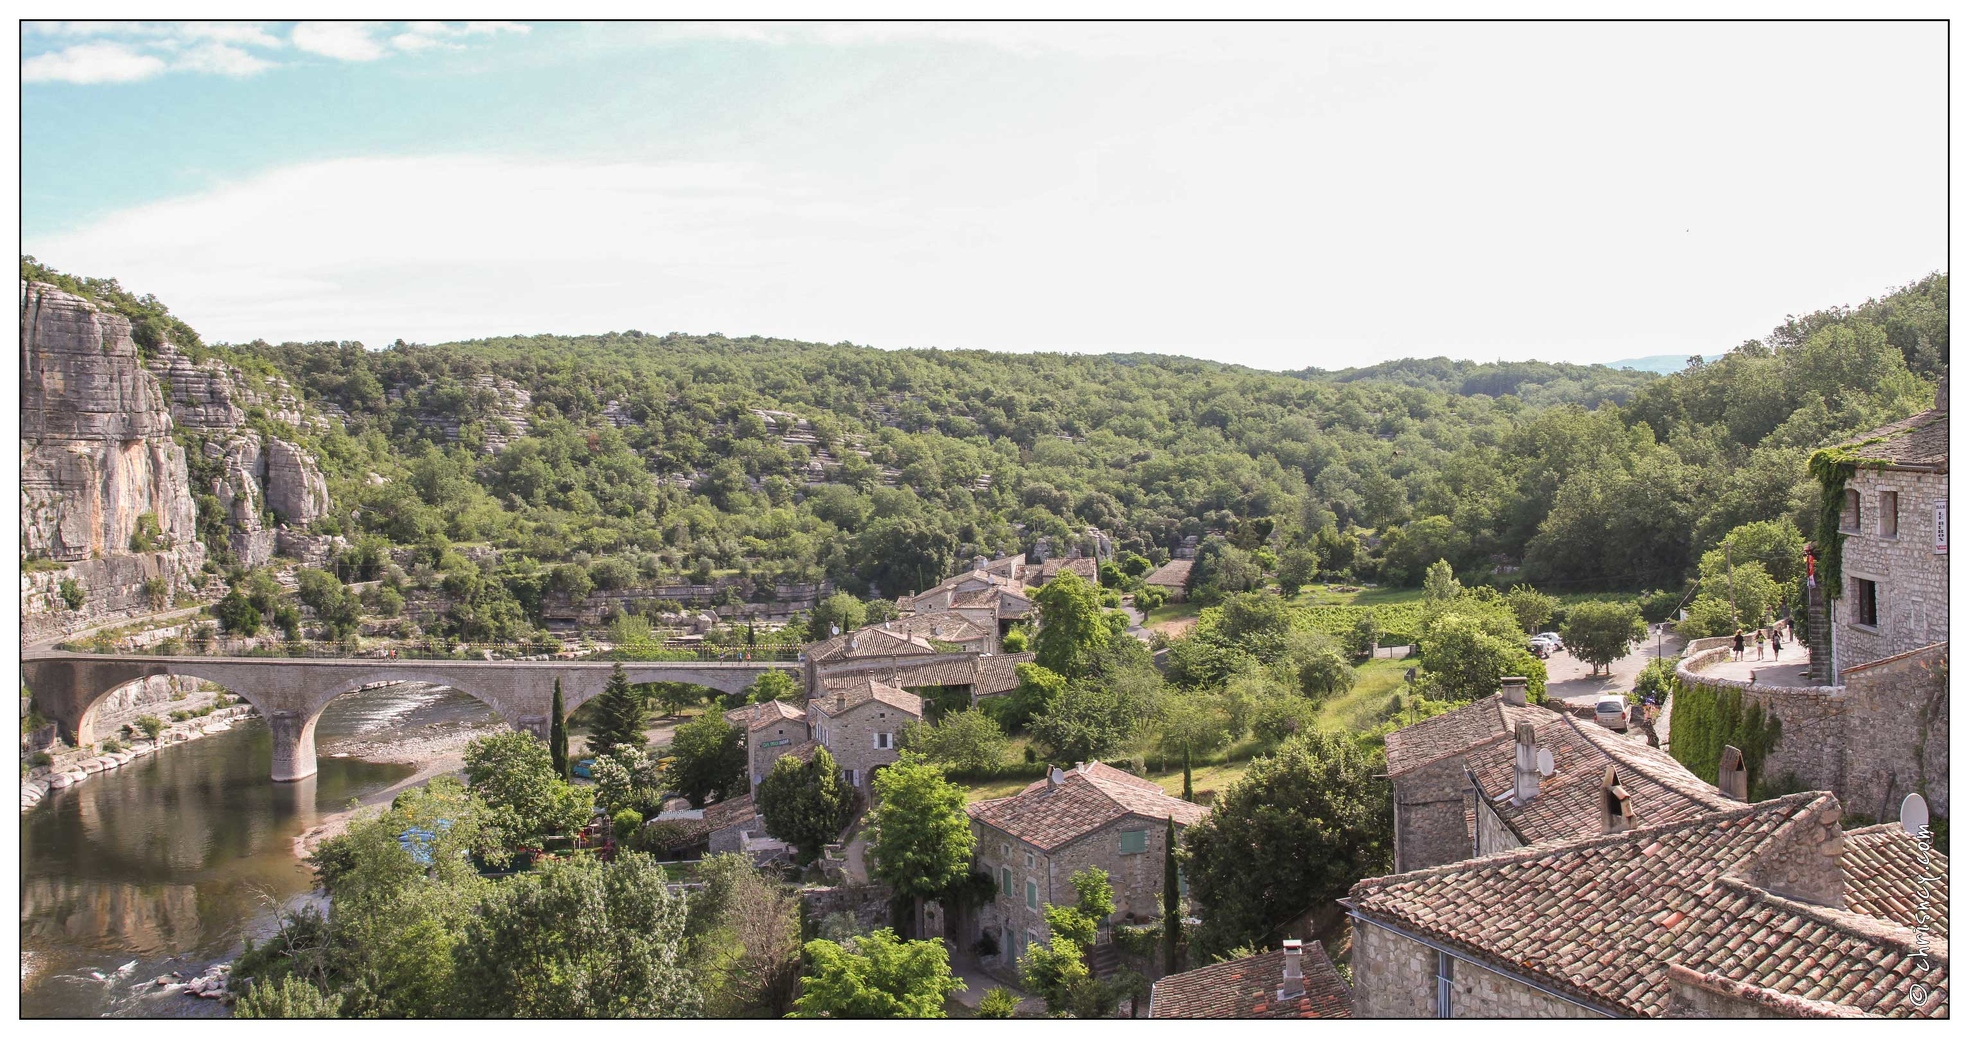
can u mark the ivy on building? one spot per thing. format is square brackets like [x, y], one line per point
[1708, 718]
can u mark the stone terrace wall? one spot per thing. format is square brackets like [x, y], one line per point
[1890, 719]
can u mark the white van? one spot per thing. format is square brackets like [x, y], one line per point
[1611, 711]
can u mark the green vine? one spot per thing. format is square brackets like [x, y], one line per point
[1833, 468]
[1707, 719]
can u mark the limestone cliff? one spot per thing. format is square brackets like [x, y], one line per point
[101, 462]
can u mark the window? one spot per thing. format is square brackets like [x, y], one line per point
[1849, 517]
[1005, 880]
[853, 779]
[1134, 842]
[885, 740]
[1866, 602]
[1890, 514]
[1032, 894]
[1445, 976]
[1031, 860]
[1004, 850]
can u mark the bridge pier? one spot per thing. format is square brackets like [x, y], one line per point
[293, 744]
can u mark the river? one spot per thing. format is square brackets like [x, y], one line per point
[171, 861]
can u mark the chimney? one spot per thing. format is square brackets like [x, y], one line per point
[1292, 984]
[1524, 775]
[1513, 689]
[1732, 781]
[1617, 814]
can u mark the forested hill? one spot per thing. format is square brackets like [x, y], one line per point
[644, 458]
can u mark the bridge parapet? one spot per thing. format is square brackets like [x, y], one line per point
[292, 692]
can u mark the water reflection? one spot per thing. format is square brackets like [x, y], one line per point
[175, 858]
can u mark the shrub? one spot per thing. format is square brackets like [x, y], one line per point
[999, 1003]
[71, 591]
[151, 724]
[40, 759]
[112, 746]
[627, 822]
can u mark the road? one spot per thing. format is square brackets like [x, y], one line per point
[1566, 678]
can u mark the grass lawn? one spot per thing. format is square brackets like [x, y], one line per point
[1173, 618]
[1360, 707]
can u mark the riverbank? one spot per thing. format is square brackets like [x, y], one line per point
[438, 756]
[71, 767]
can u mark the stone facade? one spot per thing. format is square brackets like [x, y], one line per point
[1891, 544]
[1396, 976]
[1014, 918]
[1430, 803]
[862, 738]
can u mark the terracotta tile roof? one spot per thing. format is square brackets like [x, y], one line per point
[1918, 440]
[871, 642]
[1569, 800]
[1092, 796]
[1884, 872]
[998, 673]
[1602, 919]
[730, 813]
[981, 599]
[756, 716]
[844, 695]
[1248, 988]
[1086, 569]
[1460, 731]
[940, 625]
[1173, 574]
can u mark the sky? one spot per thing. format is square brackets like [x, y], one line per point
[1279, 195]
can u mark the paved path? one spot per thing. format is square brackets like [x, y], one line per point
[977, 983]
[1786, 669]
[1566, 677]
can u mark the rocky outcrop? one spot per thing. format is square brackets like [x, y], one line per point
[96, 447]
[505, 404]
[100, 460]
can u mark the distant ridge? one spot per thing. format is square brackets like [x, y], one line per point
[1661, 364]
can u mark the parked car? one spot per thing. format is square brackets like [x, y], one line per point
[1611, 711]
[1539, 648]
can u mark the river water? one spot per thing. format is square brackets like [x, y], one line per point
[171, 861]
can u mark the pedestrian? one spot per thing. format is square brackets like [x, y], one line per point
[1760, 643]
[1736, 649]
[1777, 640]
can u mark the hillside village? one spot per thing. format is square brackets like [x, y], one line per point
[1207, 770]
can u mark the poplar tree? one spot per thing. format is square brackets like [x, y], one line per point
[1172, 900]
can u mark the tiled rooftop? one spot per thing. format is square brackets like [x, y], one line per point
[1173, 574]
[756, 716]
[1093, 795]
[1918, 440]
[1248, 988]
[1883, 864]
[1569, 800]
[1602, 919]
[871, 642]
[844, 695]
[1462, 730]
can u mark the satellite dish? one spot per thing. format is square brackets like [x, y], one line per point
[1544, 761]
[1914, 814]
[834, 629]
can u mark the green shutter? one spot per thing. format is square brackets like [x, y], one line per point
[1134, 842]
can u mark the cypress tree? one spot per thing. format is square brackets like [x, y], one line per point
[1188, 795]
[557, 735]
[620, 715]
[1172, 901]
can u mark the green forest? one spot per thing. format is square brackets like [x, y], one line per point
[653, 459]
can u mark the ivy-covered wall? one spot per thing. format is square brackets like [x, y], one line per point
[1708, 718]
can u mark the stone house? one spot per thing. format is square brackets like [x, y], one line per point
[1034, 841]
[1765, 910]
[1497, 774]
[860, 722]
[771, 729]
[1172, 577]
[901, 653]
[993, 598]
[1295, 981]
[1894, 545]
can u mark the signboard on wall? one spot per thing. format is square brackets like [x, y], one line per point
[1941, 526]
[774, 743]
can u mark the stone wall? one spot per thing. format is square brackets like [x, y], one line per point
[1429, 807]
[1395, 977]
[867, 903]
[851, 736]
[1911, 577]
[1889, 721]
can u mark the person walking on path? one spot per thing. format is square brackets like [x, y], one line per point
[1777, 640]
[1760, 643]
[1736, 649]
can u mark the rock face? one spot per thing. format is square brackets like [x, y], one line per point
[96, 447]
[100, 459]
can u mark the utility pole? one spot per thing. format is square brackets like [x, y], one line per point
[1730, 576]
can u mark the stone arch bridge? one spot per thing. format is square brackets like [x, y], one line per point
[292, 692]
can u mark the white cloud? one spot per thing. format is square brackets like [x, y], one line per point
[425, 35]
[348, 41]
[222, 59]
[90, 63]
